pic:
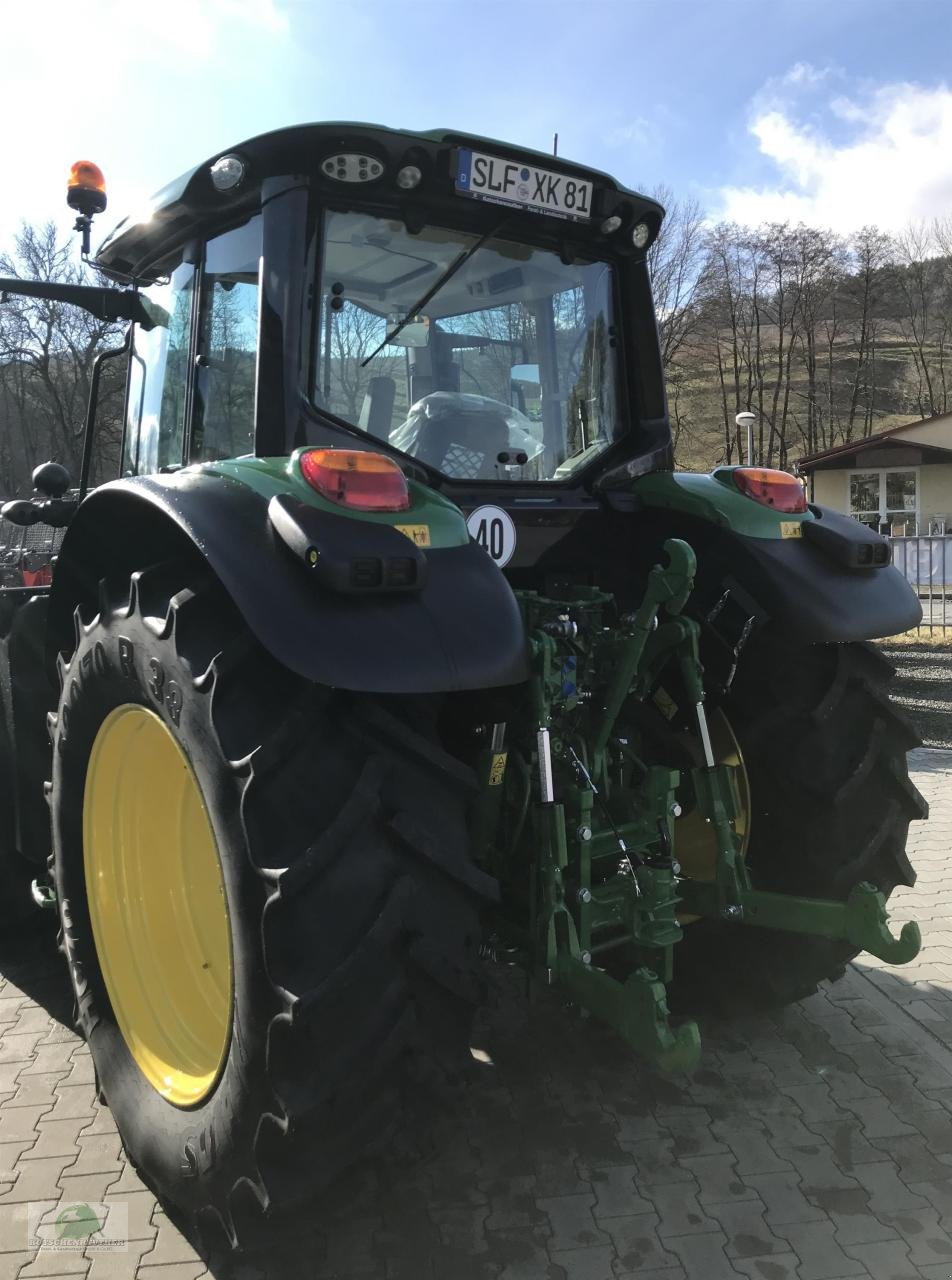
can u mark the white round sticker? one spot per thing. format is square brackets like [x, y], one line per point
[493, 529]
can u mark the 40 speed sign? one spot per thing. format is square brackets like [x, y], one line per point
[495, 532]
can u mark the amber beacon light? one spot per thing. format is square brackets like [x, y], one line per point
[86, 188]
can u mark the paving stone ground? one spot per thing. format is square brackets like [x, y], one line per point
[815, 1144]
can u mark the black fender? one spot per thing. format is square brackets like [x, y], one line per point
[461, 630]
[831, 585]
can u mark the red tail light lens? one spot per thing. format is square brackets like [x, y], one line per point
[777, 489]
[356, 478]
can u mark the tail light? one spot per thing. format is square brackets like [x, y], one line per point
[777, 489]
[356, 478]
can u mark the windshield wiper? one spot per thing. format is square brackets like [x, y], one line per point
[459, 261]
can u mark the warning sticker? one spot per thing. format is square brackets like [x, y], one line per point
[497, 770]
[419, 534]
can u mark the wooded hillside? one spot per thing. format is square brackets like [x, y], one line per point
[828, 339]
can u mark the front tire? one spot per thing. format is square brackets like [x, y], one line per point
[350, 903]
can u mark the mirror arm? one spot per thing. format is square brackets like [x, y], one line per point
[103, 303]
[93, 406]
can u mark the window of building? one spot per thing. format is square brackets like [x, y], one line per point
[223, 415]
[886, 500]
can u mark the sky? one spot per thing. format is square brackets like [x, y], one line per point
[836, 112]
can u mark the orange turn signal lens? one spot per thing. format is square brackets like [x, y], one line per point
[777, 489]
[356, 478]
[86, 175]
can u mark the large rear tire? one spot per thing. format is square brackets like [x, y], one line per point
[831, 802]
[338, 832]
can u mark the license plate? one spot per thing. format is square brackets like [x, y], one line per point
[522, 185]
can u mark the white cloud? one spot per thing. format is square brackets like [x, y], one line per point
[122, 83]
[894, 166]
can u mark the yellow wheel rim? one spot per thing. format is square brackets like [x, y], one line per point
[695, 843]
[157, 904]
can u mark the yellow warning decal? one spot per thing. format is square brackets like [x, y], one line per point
[419, 534]
[497, 770]
[791, 529]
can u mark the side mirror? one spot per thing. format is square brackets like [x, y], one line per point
[525, 373]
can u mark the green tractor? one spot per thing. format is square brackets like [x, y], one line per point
[398, 646]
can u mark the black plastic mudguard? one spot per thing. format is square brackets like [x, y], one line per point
[461, 630]
[811, 589]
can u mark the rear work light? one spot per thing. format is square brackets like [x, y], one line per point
[356, 478]
[777, 489]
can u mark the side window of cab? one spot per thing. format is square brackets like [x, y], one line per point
[223, 414]
[157, 397]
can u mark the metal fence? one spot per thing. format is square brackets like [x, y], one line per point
[926, 563]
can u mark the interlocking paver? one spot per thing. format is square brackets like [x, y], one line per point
[748, 1235]
[36, 1180]
[98, 1153]
[927, 1241]
[616, 1193]
[637, 1243]
[175, 1271]
[572, 1221]
[119, 1265]
[140, 1206]
[36, 1091]
[679, 1212]
[20, 1123]
[885, 1261]
[55, 1138]
[703, 1255]
[585, 1264]
[718, 1179]
[169, 1244]
[785, 1201]
[53, 1263]
[888, 1193]
[821, 1258]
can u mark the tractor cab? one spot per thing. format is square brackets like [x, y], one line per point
[479, 311]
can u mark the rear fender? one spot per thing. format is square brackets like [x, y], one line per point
[461, 630]
[808, 575]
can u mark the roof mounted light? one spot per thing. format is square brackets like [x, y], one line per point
[352, 166]
[610, 225]
[640, 234]
[86, 188]
[409, 176]
[356, 478]
[227, 172]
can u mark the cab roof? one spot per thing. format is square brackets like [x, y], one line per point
[190, 205]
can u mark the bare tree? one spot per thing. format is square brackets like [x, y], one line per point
[47, 351]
